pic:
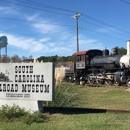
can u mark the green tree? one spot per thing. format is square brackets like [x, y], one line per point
[122, 51]
[56, 58]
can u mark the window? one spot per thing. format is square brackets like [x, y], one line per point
[87, 60]
[82, 57]
[78, 58]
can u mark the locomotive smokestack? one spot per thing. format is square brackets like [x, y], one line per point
[128, 47]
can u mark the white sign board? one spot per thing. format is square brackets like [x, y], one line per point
[27, 81]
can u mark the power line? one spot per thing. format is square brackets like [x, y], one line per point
[34, 8]
[104, 34]
[125, 31]
[20, 20]
[53, 7]
[125, 1]
[53, 24]
[105, 28]
[47, 6]
[44, 5]
[42, 34]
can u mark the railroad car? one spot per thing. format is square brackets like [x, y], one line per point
[69, 69]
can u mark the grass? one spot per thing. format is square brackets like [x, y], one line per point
[75, 122]
[91, 122]
[102, 97]
[89, 97]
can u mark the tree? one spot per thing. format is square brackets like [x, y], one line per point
[57, 58]
[5, 59]
[30, 57]
[122, 51]
[15, 59]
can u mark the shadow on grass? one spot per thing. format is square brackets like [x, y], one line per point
[73, 110]
[67, 110]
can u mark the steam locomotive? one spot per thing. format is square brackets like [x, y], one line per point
[97, 66]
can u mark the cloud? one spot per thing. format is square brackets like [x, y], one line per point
[32, 17]
[50, 42]
[44, 39]
[47, 47]
[44, 26]
[86, 43]
[25, 44]
[8, 10]
[107, 30]
[34, 47]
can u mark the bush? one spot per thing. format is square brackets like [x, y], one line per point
[36, 116]
[63, 97]
[10, 113]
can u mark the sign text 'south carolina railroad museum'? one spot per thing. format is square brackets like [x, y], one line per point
[27, 81]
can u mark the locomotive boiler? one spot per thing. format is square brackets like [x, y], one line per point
[96, 66]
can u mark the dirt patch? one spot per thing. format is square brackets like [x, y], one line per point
[128, 89]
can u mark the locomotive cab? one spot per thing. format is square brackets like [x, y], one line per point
[83, 66]
[83, 58]
[80, 61]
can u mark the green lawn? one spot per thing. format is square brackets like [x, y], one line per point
[75, 122]
[104, 97]
[89, 97]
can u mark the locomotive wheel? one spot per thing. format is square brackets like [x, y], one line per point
[117, 83]
[100, 81]
[109, 82]
[91, 79]
[128, 82]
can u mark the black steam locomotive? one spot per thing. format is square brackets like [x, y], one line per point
[96, 66]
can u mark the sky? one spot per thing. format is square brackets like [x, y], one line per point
[46, 27]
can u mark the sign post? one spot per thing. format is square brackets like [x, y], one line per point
[26, 84]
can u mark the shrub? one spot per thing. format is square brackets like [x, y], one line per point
[36, 116]
[27, 119]
[8, 113]
[11, 111]
[63, 97]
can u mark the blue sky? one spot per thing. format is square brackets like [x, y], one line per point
[46, 27]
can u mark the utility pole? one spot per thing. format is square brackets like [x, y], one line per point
[77, 39]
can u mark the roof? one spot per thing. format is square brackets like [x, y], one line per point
[81, 52]
[84, 52]
[65, 64]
